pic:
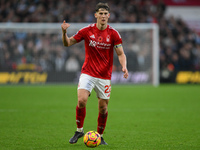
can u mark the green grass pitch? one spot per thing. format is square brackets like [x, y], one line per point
[139, 117]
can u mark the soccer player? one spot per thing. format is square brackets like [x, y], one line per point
[100, 40]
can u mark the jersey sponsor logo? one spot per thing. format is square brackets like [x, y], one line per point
[92, 43]
[101, 45]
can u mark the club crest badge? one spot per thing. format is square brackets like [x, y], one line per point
[108, 38]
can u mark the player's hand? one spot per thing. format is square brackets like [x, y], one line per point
[125, 70]
[64, 26]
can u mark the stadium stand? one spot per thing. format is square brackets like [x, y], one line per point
[179, 45]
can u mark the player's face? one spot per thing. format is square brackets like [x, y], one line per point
[102, 16]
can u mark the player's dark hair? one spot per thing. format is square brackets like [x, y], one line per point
[102, 5]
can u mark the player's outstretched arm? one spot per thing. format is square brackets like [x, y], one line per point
[122, 60]
[66, 40]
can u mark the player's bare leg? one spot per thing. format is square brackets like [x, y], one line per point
[80, 114]
[102, 118]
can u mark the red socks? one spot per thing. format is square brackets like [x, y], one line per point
[80, 116]
[102, 118]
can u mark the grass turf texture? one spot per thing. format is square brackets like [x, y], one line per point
[140, 117]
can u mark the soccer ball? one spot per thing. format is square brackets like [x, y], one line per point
[92, 139]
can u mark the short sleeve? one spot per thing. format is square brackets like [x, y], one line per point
[117, 38]
[79, 36]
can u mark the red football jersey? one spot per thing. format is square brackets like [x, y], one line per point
[98, 50]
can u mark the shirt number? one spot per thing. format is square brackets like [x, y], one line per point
[107, 88]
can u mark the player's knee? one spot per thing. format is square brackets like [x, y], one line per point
[81, 103]
[103, 109]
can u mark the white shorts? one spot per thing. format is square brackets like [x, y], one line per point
[102, 87]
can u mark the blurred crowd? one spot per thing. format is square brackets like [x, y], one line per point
[179, 45]
[78, 10]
